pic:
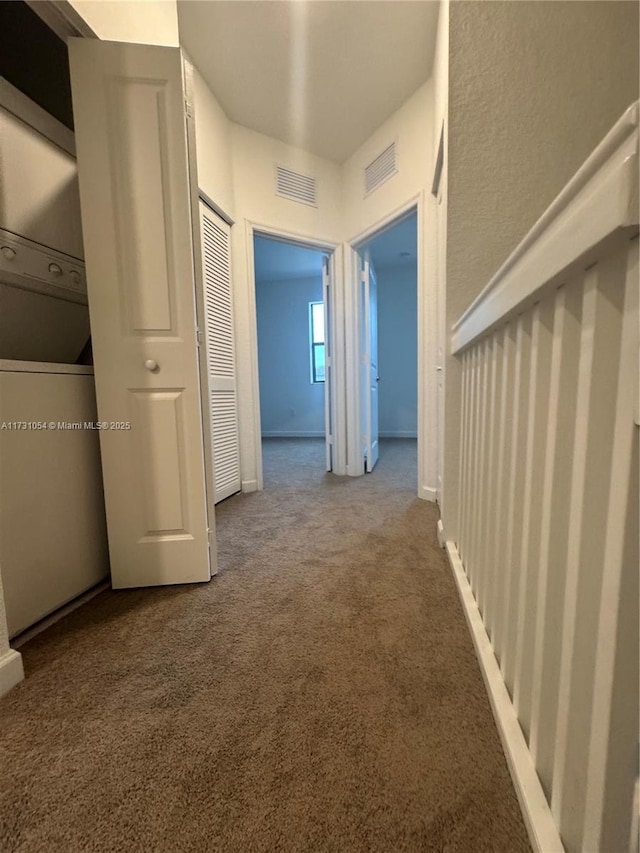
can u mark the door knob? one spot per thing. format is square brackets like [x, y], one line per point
[151, 364]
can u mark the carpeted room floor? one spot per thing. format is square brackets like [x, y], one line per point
[320, 694]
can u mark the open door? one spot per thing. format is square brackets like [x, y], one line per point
[328, 362]
[136, 192]
[370, 378]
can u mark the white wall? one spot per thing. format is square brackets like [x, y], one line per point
[290, 404]
[398, 350]
[141, 21]
[411, 127]
[533, 88]
[341, 214]
[254, 160]
[255, 157]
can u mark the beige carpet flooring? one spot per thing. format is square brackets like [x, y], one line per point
[320, 694]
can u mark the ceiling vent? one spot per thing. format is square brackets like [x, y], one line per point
[296, 187]
[381, 169]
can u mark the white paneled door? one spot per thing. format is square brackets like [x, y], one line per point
[370, 376]
[216, 261]
[328, 360]
[131, 115]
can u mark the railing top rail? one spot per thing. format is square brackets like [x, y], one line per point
[599, 201]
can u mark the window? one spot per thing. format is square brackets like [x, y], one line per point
[316, 340]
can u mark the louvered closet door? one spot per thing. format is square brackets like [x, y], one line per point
[216, 258]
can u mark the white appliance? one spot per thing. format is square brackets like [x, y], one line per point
[43, 295]
[53, 542]
[43, 302]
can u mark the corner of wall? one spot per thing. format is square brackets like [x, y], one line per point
[213, 146]
[11, 669]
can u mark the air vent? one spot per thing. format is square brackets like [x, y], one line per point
[381, 169]
[296, 187]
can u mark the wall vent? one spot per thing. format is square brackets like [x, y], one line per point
[296, 187]
[381, 169]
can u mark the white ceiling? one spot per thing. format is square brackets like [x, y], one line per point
[319, 74]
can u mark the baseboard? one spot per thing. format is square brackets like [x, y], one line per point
[543, 832]
[11, 671]
[295, 434]
[249, 486]
[441, 537]
[51, 618]
[427, 493]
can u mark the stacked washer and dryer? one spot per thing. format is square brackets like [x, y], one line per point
[53, 543]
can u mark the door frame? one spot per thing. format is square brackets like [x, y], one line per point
[427, 349]
[334, 251]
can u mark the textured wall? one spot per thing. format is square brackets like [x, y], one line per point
[410, 128]
[533, 88]
[438, 235]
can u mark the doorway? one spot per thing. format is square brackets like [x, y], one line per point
[292, 285]
[388, 339]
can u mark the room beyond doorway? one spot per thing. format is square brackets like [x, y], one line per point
[390, 259]
[291, 291]
[298, 462]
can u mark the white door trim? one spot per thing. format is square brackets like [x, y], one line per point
[334, 250]
[353, 414]
[200, 304]
[427, 346]
[220, 211]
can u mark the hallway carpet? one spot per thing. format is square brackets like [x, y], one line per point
[320, 694]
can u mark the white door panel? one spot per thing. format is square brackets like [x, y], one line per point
[216, 261]
[328, 362]
[135, 190]
[370, 364]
